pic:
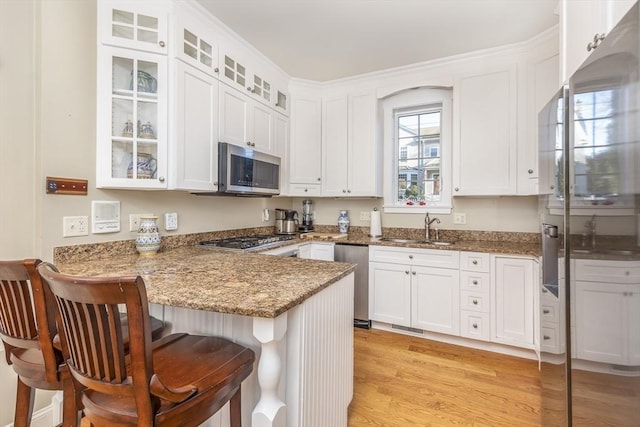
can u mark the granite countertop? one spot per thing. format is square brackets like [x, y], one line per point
[220, 280]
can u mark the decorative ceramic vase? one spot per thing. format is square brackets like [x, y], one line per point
[148, 239]
[343, 222]
[147, 167]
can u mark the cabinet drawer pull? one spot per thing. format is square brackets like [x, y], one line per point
[546, 337]
[545, 311]
[475, 326]
[474, 262]
[410, 256]
[475, 282]
[475, 302]
[530, 171]
[306, 189]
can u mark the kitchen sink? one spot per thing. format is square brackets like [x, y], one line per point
[416, 242]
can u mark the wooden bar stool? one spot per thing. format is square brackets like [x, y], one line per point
[29, 334]
[27, 329]
[179, 380]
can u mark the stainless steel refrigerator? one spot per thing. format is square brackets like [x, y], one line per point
[589, 319]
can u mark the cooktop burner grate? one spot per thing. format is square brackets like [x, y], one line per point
[246, 242]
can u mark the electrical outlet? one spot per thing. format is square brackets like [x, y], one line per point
[134, 221]
[171, 221]
[365, 216]
[459, 218]
[73, 226]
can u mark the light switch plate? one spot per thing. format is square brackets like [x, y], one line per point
[73, 226]
[171, 221]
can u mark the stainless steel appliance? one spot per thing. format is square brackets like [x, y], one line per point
[589, 143]
[286, 221]
[246, 172]
[246, 243]
[279, 221]
[356, 254]
[307, 216]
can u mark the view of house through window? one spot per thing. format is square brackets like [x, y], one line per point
[418, 140]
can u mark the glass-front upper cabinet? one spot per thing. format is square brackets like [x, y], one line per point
[134, 24]
[132, 117]
[196, 43]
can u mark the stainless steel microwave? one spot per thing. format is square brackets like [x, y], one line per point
[247, 172]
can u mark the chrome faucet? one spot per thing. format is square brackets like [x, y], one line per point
[427, 225]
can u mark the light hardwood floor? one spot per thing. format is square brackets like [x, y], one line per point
[406, 381]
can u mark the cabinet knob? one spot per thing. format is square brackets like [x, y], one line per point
[474, 262]
[251, 144]
[406, 272]
[410, 256]
[530, 171]
[216, 70]
[215, 182]
[475, 326]
[546, 337]
[413, 272]
[249, 89]
[475, 302]
[552, 187]
[161, 179]
[349, 191]
[545, 311]
[457, 189]
[161, 43]
[318, 179]
[626, 273]
[344, 191]
[306, 189]
[475, 282]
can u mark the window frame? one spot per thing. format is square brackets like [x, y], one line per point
[418, 99]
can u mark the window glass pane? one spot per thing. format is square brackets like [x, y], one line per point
[190, 51]
[418, 142]
[148, 22]
[122, 16]
[206, 47]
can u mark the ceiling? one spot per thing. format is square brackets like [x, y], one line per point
[331, 39]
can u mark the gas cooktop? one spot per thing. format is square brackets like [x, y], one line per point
[247, 242]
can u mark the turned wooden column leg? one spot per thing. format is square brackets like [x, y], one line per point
[235, 409]
[24, 405]
[270, 410]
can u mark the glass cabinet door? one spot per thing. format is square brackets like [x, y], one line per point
[132, 25]
[137, 117]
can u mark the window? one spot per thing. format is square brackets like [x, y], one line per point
[418, 151]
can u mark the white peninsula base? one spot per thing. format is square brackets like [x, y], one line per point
[304, 372]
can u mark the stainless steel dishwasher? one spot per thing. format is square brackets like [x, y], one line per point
[356, 254]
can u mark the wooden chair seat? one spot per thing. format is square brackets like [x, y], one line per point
[179, 380]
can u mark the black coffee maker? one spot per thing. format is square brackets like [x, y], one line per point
[307, 216]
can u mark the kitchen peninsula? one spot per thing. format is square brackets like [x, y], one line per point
[295, 314]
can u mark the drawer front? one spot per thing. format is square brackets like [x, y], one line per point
[549, 338]
[304, 190]
[549, 312]
[475, 261]
[476, 282]
[474, 325]
[413, 256]
[474, 301]
[625, 272]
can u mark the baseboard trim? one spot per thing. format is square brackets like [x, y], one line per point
[43, 417]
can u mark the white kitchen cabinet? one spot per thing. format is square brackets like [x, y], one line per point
[134, 25]
[475, 297]
[435, 299]
[484, 138]
[195, 41]
[390, 293]
[317, 250]
[245, 122]
[513, 301]
[195, 143]
[305, 162]
[350, 151]
[404, 290]
[542, 82]
[131, 119]
[585, 22]
[607, 316]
